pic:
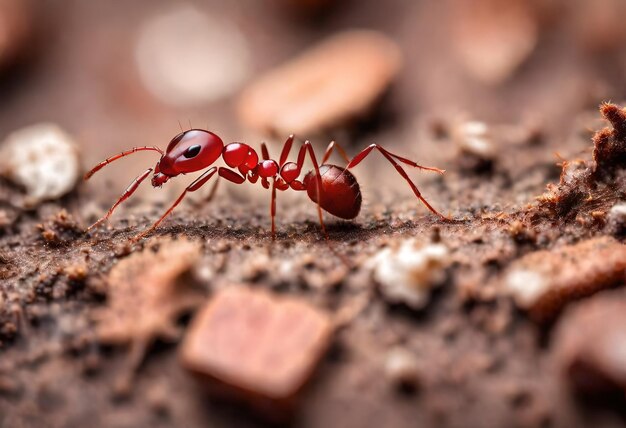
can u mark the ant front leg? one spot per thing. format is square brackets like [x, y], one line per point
[199, 182]
[127, 194]
[119, 156]
[392, 159]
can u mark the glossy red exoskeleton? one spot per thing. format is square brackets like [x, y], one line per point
[198, 149]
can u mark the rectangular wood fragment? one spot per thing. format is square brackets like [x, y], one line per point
[256, 344]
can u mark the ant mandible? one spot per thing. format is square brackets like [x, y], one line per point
[197, 149]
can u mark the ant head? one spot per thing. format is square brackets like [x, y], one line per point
[189, 151]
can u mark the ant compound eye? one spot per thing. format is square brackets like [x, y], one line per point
[192, 151]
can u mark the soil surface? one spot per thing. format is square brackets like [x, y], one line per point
[481, 357]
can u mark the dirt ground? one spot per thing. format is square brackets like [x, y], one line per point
[483, 355]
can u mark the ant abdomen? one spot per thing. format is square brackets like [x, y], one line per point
[341, 194]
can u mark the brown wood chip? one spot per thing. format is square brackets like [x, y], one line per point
[590, 344]
[327, 85]
[254, 343]
[545, 281]
[144, 296]
[493, 38]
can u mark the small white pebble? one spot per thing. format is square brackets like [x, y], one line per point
[616, 219]
[618, 210]
[402, 368]
[407, 274]
[475, 138]
[526, 286]
[42, 158]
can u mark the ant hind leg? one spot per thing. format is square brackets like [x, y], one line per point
[393, 158]
[329, 150]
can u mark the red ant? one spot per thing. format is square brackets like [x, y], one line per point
[197, 149]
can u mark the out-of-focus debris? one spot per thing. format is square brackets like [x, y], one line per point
[15, 29]
[586, 187]
[544, 282]
[590, 345]
[43, 159]
[609, 145]
[186, 56]
[527, 133]
[306, 270]
[475, 145]
[60, 229]
[8, 217]
[9, 386]
[146, 295]
[307, 8]
[408, 274]
[76, 271]
[335, 81]
[616, 220]
[492, 37]
[598, 26]
[263, 347]
[402, 369]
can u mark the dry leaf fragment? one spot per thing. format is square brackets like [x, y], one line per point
[494, 37]
[144, 296]
[543, 282]
[335, 81]
[259, 345]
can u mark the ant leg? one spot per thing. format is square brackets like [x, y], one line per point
[127, 193]
[118, 156]
[195, 185]
[211, 195]
[286, 149]
[273, 209]
[358, 158]
[390, 157]
[330, 149]
[308, 148]
[265, 154]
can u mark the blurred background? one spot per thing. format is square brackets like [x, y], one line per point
[118, 74]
